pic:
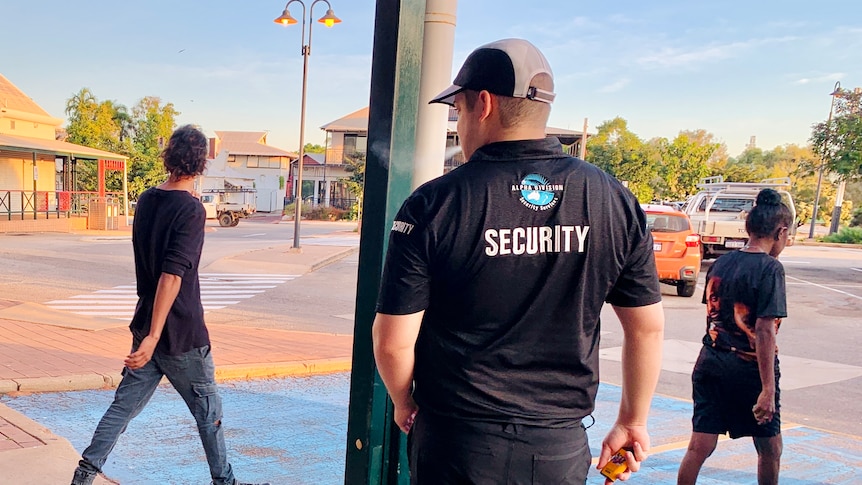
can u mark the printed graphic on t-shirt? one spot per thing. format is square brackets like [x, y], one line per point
[536, 240]
[402, 227]
[537, 193]
[730, 319]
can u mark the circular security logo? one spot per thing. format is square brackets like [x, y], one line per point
[537, 193]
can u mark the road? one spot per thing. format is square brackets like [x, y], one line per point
[819, 342]
[49, 267]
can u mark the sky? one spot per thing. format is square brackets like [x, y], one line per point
[734, 68]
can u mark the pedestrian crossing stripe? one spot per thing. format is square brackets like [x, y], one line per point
[218, 290]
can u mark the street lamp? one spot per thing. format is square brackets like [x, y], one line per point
[286, 19]
[835, 92]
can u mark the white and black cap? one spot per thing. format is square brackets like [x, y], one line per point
[506, 68]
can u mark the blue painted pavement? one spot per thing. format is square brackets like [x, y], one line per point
[293, 431]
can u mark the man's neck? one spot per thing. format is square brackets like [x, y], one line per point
[179, 183]
[518, 133]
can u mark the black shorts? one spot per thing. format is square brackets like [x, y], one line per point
[445, 451]
[725, 388]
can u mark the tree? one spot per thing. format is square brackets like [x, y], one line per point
[94, 124]
[355, 183]
[619, 152]
[685, 161]
[309, 148]
[747, 167]
[80, 103]
[794, 162]
[91, 123]
[839, 143]
[107, 125]
[152, 125]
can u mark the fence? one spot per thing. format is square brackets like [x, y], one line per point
[345, 203]
[22, 204]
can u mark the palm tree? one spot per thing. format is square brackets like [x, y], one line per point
[80, 102]
[122, 119]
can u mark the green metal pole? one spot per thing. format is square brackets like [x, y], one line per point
[375, 446]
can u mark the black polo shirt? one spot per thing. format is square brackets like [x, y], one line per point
[168, 237]
[512, 256]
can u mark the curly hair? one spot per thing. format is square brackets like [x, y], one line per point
[768, 215]
[186, 153]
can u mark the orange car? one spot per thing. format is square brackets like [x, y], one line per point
[677, 248]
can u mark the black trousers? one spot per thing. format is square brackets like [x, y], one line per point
[445, 451]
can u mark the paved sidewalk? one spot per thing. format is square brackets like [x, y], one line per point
[47, 351]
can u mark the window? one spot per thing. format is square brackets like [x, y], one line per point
[11, 124]
[231, 159]
[727, 204]
[355, 144]
[252, 161]
[667, 223]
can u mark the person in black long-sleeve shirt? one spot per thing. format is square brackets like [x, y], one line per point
[169, 336]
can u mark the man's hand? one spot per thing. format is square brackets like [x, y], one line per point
[405, 414]
[140, 357]
[764, 409]
[635, 438]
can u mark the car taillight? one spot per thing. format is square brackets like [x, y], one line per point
[692, 240]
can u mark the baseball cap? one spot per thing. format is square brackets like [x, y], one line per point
[506, 68]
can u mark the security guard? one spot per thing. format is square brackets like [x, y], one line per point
[487, 332]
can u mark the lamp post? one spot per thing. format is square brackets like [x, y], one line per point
[286, 19]
[834, 93]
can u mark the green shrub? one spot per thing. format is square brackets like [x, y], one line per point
[321, 213]
[856, 220]
[847, 235]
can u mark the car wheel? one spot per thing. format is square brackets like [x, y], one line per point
[685, 288]
[225, 219]
[234, 222]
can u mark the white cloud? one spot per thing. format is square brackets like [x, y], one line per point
[680, 57]
[615, 86]
[835, 76]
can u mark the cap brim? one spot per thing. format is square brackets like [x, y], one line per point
[447, 96]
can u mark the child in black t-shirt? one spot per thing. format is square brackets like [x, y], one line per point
[735, 379]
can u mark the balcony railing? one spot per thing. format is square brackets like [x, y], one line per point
[334, 155]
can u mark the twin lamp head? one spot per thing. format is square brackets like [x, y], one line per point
[328, 20]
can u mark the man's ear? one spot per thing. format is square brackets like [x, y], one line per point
[485, 105]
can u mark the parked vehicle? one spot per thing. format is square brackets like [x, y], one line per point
[719, 209]
[229, 205]
[676, 247]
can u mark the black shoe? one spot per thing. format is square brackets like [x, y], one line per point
[83, 477]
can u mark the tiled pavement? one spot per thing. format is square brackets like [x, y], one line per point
[35, 357]
[12, 437]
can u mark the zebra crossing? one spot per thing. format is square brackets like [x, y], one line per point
[218, 290]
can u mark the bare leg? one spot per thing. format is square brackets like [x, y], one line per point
[700, 447]
[768, 459]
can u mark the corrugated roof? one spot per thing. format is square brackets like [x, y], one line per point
[250, 143]
[13, 98]
[356, 121]
[314, 159]
[55, 147]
